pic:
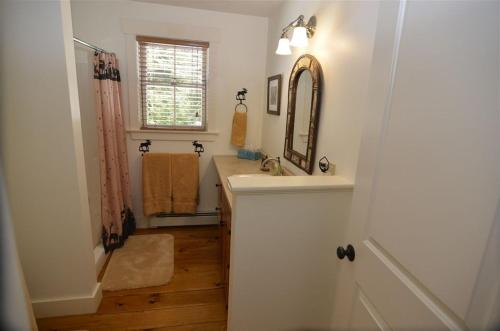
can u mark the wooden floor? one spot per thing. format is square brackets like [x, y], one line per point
[192, 301]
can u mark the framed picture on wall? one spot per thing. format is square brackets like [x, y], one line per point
[274, 95]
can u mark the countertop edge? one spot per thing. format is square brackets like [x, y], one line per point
[249, 184]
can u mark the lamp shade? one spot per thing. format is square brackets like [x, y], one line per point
[299, 38]
[283, 47]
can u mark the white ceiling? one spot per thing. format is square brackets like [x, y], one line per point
[246, 7]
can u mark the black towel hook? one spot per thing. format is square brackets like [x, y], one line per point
[240, 96]
[324, 164]
[144, 147]
[198, 148]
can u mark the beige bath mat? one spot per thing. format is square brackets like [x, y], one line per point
[144, 260]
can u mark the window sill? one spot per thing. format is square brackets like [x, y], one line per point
[173, 135]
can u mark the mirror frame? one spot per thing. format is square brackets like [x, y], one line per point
[304, 162]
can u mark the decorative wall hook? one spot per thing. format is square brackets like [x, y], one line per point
[240, 96]
[198, 148]
[324, 164]
[144, 147]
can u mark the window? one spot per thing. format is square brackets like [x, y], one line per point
[173, 83]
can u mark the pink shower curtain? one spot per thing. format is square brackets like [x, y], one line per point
[117, 217]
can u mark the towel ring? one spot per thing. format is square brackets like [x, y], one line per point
[240, 104]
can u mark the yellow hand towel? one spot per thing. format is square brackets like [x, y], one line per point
[239, 133]
[156, 183]
[185, 179]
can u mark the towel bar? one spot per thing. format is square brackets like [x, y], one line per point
[144, 147]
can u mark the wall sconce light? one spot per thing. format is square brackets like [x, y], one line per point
[283, 46]
[301, 34]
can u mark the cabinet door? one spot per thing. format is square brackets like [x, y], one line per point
[227, 245]
[226, 241]
[223, 237]
[222, 231]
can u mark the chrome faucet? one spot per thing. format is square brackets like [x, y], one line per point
[266, 160]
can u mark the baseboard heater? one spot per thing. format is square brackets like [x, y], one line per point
[174, 219]
[199, 214]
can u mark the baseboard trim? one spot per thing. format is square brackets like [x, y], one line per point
[99, 258]
[68, 306]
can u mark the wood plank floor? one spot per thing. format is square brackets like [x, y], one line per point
[192, 301]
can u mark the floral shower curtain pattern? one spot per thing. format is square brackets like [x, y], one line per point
[117, 218]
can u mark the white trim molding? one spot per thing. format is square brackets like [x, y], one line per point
[68, 306]
[169, 135]
[99, 258]
[252, 183]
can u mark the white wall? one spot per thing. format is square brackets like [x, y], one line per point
[15, 306]
[85, 74]
[237, 59]
[343, 45]
[42, 153]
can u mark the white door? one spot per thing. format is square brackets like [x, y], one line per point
[427, 187]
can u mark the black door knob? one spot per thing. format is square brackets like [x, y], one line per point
[348, 251]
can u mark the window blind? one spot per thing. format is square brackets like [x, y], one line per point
[173, 83]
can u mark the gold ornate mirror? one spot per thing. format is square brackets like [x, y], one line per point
[304, 97]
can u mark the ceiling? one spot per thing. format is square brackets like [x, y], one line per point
[245, 7]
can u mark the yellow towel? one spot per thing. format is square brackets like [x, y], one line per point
[185, 177]
[239, 133]
[156, 183]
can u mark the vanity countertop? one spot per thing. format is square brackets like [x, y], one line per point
[228, 165]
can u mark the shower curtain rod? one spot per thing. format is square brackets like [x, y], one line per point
[95, 48]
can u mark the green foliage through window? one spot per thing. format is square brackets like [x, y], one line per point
[173, 76]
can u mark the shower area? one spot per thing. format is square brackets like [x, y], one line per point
[146, 259]
[85, 75]
[105, 152]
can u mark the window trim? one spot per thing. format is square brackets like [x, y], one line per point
[180, 42]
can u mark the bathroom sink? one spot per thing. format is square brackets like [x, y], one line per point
[251, 175]
[258, 175]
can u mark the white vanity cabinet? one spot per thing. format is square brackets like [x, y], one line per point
[284, 236]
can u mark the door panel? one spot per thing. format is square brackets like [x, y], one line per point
[438, 158]
[399, 297]
[427, 185]
[365, 316]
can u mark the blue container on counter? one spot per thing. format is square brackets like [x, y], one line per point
[248, 154]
